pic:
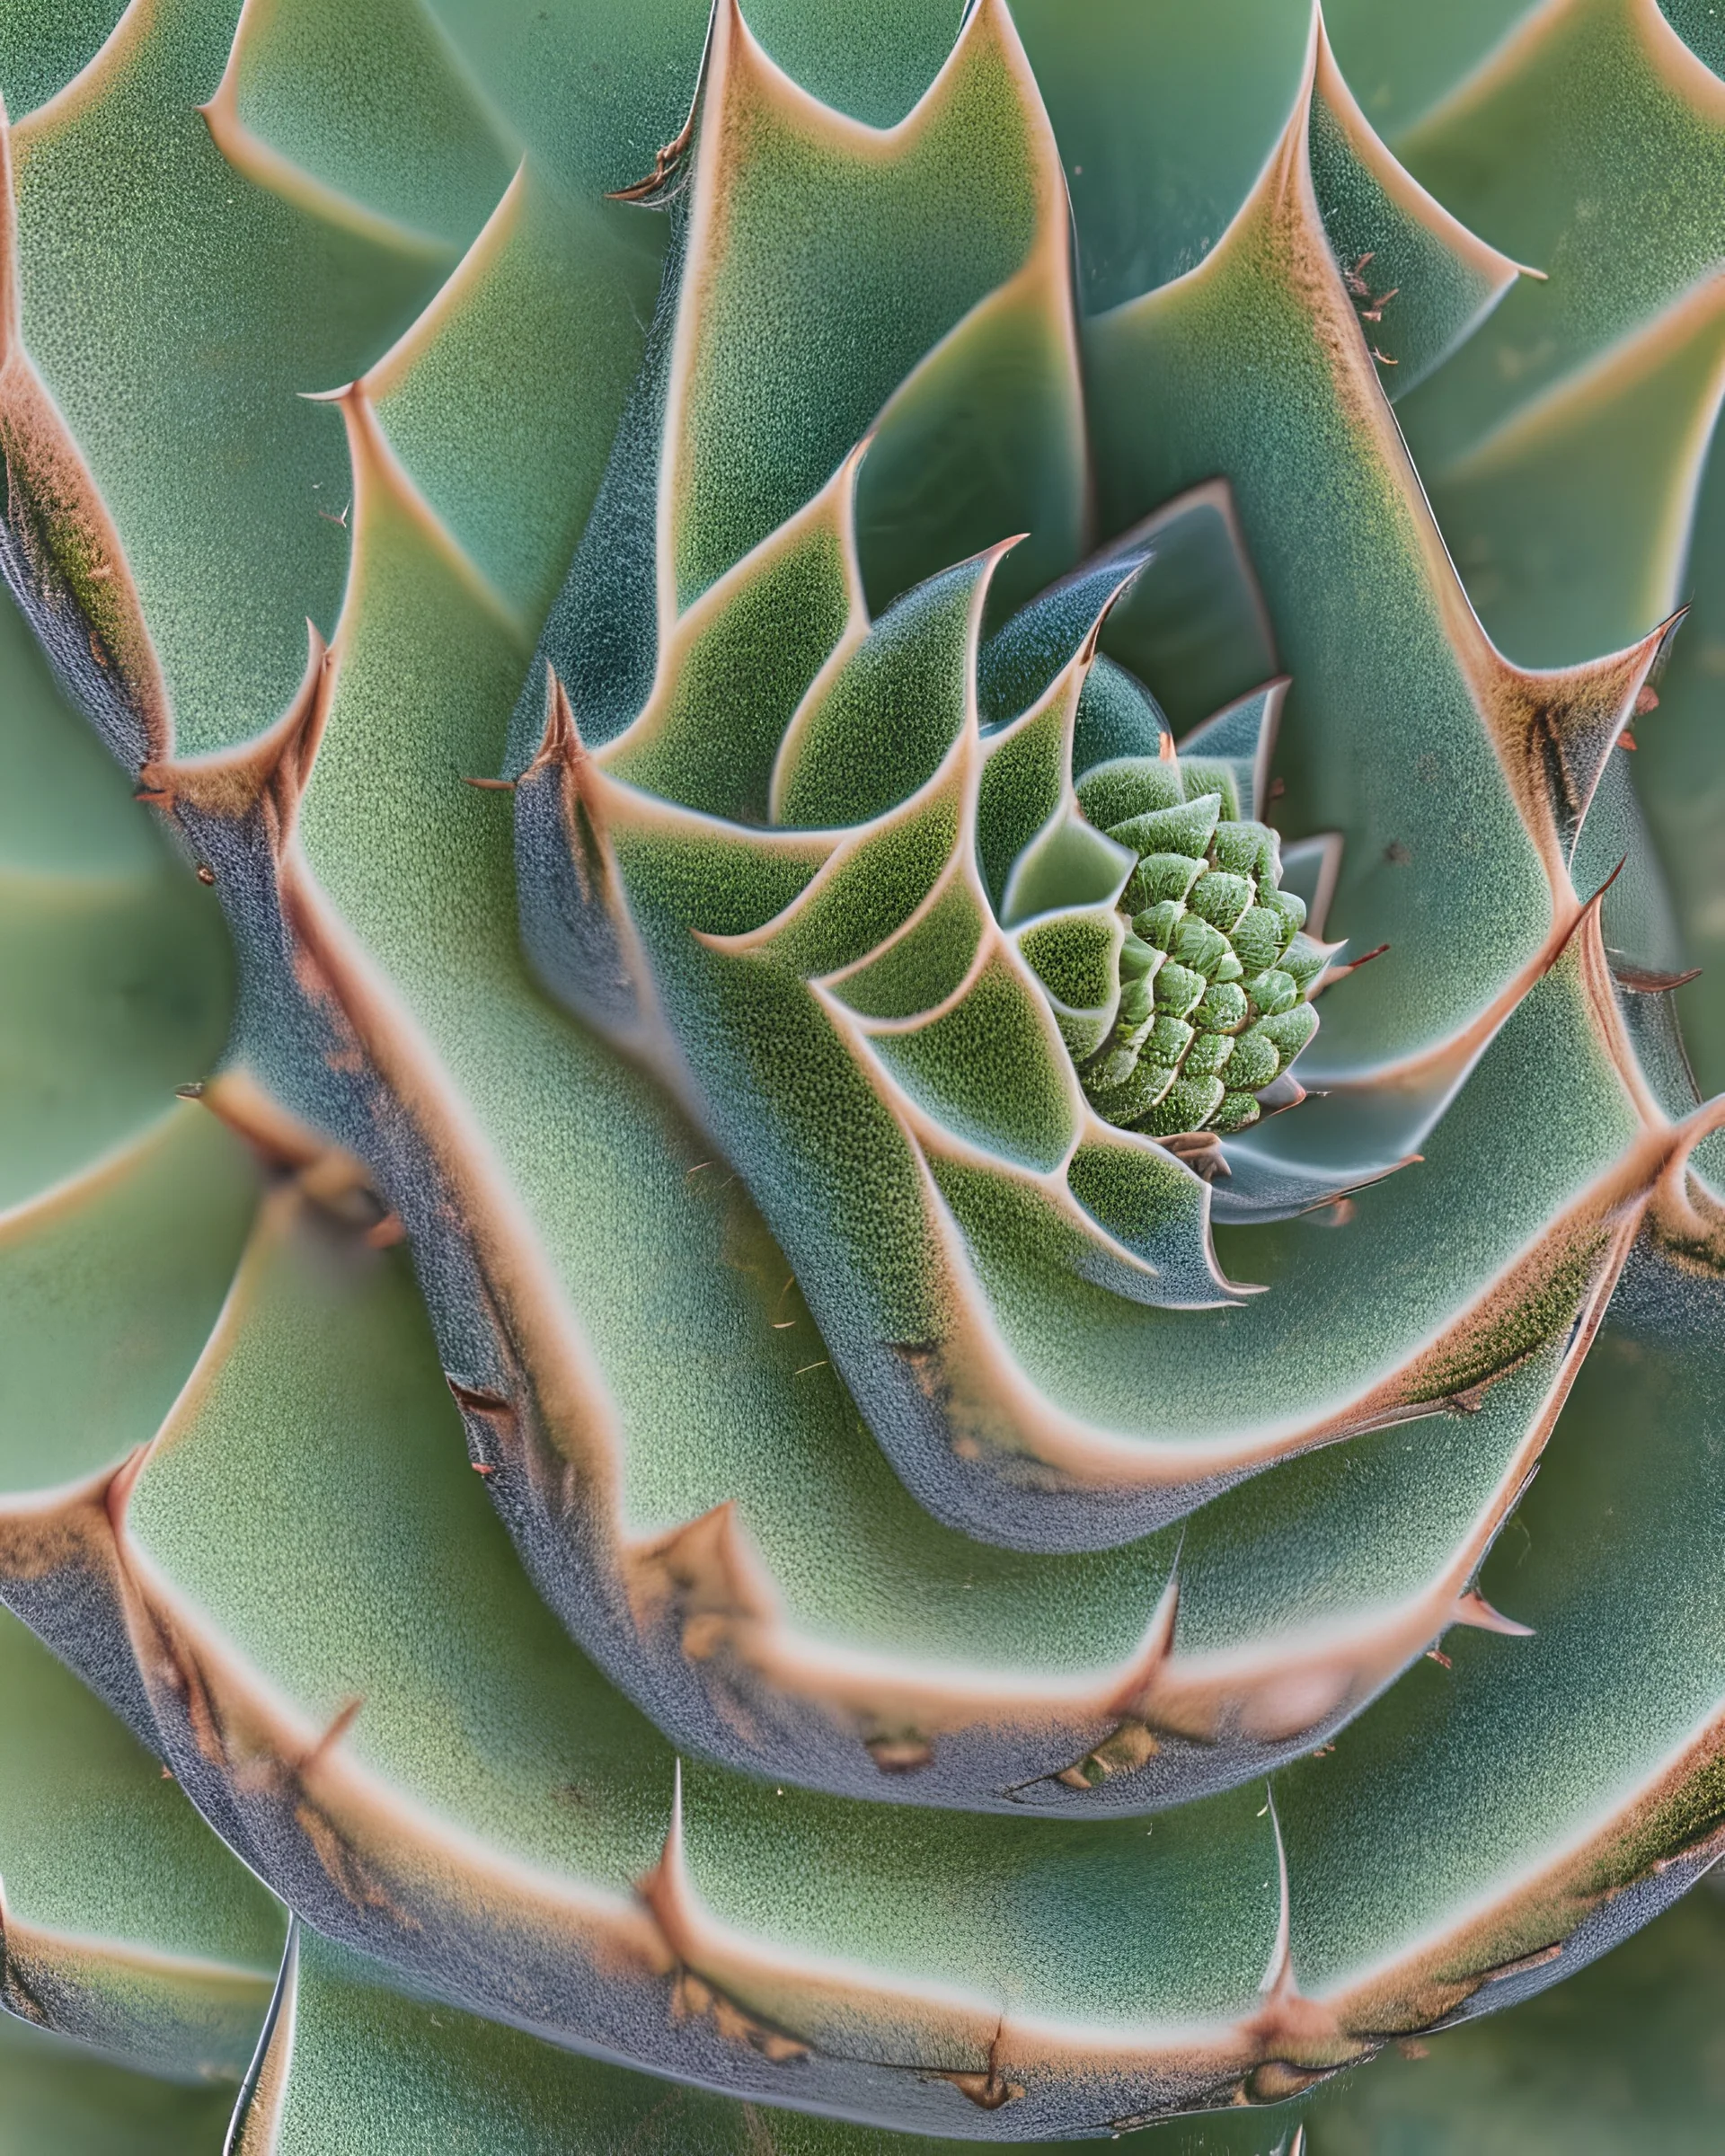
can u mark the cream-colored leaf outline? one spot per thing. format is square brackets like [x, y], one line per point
[266, 167]
[829, 514]
[589, 1435]
[1523, 51]
[736, 66]
[1529, 1914]
[1578, 402]
[47, 481]
[1550, 730]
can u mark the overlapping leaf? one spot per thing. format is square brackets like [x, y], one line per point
[656, 1317]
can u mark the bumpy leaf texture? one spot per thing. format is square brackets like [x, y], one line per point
[742, 1420]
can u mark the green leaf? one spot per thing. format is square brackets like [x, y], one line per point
[596, 87]
[177, 310]
[1680, 776]
[1624, 2056]
[1545, 1789]
[1591, 147]
[1164, 115]
[1259, 360]
[373, 107]
[113, 969]
[1402, 61]
[60, 2099]
[510, 457]
[1587, 2070]
[349, 2044]
[111, 1282]
[861, 253]
[44, 43]
[127, 1924]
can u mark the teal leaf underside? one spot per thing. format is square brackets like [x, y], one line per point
[745, 1425]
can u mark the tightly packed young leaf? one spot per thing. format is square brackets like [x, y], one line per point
[743, 1417]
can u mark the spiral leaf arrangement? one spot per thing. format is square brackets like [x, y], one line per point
[664, 1441]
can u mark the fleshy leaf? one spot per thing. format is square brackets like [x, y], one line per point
[1200, 347]
[299, 108]
[126, 1922]
[57, 2095]
[1162, 125]
[136, 242]
[1571, 521]
[864, 208]
[1590, 129]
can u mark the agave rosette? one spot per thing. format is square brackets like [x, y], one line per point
[805, 1081]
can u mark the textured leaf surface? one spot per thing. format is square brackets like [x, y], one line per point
[1631, 2046]
[125, 1923]
[875, 1456]
[181, 262]
[1570, 455]
[1630, 2049]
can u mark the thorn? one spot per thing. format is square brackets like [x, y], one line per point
[1333, 974]
[1384, 358]
[1437, 1655]
[665, 163]
[489, 785]
[1627, 740]
[342, 519]
[385, 1234]
[988, 2091]
[477, 1399]
[152, 793]
[1411, 2047]
[1165, 747]
[1473, 1608]
[1355, 281]
[167, 1773]
[342, 1721]
[1642, 981]
[481, 1467]
[206, 874]
[194, 1092]
[1647, 698]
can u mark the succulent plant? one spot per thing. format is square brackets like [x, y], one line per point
[677, 1341]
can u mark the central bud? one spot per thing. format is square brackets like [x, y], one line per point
[1212, 969]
